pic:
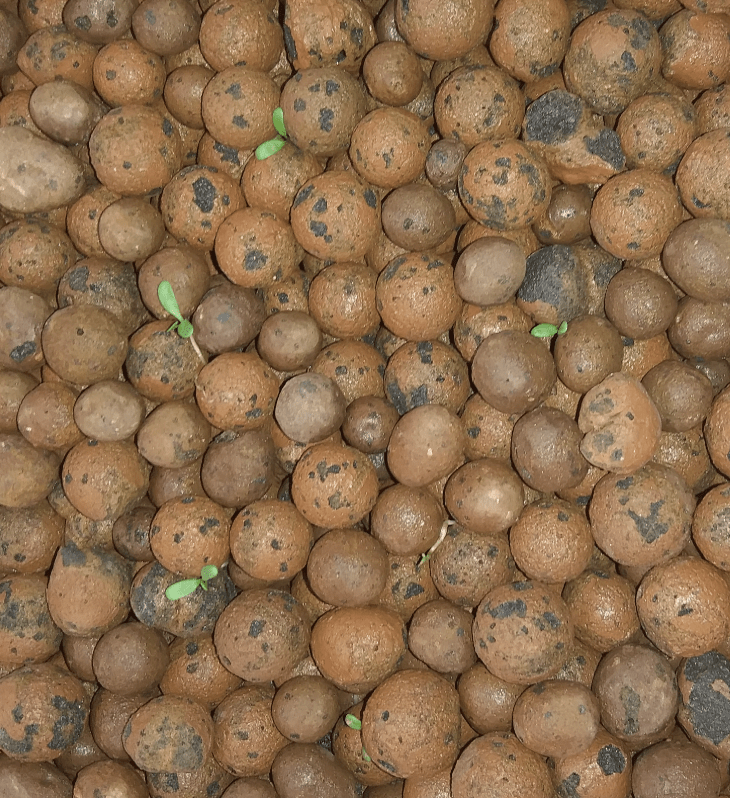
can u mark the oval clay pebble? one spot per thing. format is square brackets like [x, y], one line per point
[43, 709]
[262, 634]
[523, 632]
[703, 683]
[27, 631]
[677, 765]
[621, 424]
[403, 742]
[556, 718]
[169, 734]
[499, 759]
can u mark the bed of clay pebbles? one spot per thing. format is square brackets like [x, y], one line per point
[364, 399]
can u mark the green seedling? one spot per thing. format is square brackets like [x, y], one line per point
[548, 330]
[354, 723]
[184, 328]
[184, 588]
[268, 148]
[442, 536]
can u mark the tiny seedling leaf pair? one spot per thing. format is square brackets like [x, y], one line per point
[268, 148]
[548, 330]
[185, 587]
[183, 327]
[354, 723]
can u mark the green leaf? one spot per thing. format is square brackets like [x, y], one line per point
[181, 589]
[365, 756]
[278, 117]
[353, 722]
[185, 329]
[167, 299]
[268, 148]
[208, 572]
[563, 328]
[544, 330]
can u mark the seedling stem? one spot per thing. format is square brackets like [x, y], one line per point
[442, 535]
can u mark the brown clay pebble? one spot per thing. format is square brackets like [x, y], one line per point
[621, 424]
[710, 532]
[499, 758]
[485, 495]
[545, 450]
[130, 659]
[679, 765]
[271, 615]
[228, 317]
[406, 520]
[489, 271]
[196, 672]
[88, 591]
[467, 565]
[567, 218]
[356, 648]
[109, 780]
[683, 606]
[54, 699]
[695, 258]
[342, 300]
[174, 434]
[403, 742]
[109, 411]
[45, 417]
[416, 297]
[30, 472]
[602, 605]
[504, 185]
[487, 702]
[309, 408]
[29, 538]
[300, 765]
[637, 692]
[551, 541]
[503, 645]
[513, 371]
[588, 351]
[244, 726]
[104, 479]
[305, 708]
[556, 718]
[643, 518]
[334, 485]
[347, 568]
[392, 73]
[695, 49]
[417, 217]
[426, 444]
[27, 632]
[640, 303]
[440, 636]
[603, 770]
[289, 341]
[369, 423]
[682, 395]
[169, 734]
[388, 147]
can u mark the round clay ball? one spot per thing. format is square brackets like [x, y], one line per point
[556, 718]
[487, 702]
[407, 521]
[679, 765]
[130, 659]
[270, 617]
[299, 765]
[440, 635]
[443, 163]
[417, 217]
[405, 743]
[621, 424]
[392, 73]
[55, 701]
[305, 708]
[489, 271]
[637, 691]
[169, 734]
[501, 642]
[27, 632]
[484, 495]
[640, 303]
[513, 371]
[347, 568]
[309, 408]
[682, 394]
[30, 475]
[109, 780]
[695, 258]
[587, 352]
[643, 518]
[546, 450]
[683, 606]
[289, 341]
[551, 541]
[368, 424]
[567, 219]
[109, 410]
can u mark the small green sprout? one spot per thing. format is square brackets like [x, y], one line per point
[442, 535]
[184, 328]
[354, 723]
[184, 588]
[272, 146]
[548, 330]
